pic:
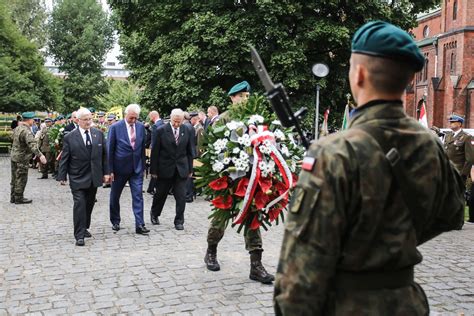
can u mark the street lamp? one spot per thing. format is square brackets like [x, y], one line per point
[320, 70]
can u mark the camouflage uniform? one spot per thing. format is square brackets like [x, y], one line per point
[459, 151]
[44, 146]
[349, 235]
[24, 144]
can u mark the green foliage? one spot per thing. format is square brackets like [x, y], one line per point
[118, 93]
[30, 17]
[6, 136]
[190, 52]
[80, 34]
[24, 82]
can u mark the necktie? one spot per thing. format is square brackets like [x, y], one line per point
[176, 135]
[88, 142]
[132, 136]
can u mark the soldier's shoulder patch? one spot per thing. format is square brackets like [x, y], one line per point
[308, 163]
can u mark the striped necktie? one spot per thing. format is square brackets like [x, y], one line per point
[132, 136]
[176, 135]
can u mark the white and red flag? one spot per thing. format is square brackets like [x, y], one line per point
[423, 118]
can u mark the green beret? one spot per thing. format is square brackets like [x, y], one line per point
[68, 116]
[59, 118]
[241, 86]
[382, 39]
[28, 115]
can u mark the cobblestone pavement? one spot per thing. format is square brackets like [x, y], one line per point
[42, 272]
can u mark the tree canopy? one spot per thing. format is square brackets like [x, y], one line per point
[31, 17]
[190, 52]
[80, 35]
[24, 82]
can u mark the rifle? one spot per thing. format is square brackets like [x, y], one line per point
[278, 98]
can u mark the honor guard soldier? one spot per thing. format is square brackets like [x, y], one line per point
[44, 146]
[368, 196]
[24, 144]
[458, 146]
[253, 238]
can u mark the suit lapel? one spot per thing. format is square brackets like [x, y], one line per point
[171, 134]
[78, 138]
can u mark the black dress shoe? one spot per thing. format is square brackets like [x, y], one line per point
[43, 177]
[87, 234]
[23, 201]
[179, 227]
[12, 199]
[80, 242]
[116, 227]
[189, 200]
[142, 230]
[151, 192]
[154, 220]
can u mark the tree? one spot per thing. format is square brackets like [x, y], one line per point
[119, 93]
[181, 51]
[24, 82]
[30, 16]
[80, 35]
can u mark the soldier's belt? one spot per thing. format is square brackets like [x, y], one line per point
[374, 280]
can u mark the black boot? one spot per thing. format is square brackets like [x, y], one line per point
[211, 258]
[22, 200]
[12, 199]
[44, 176]
[257, 270]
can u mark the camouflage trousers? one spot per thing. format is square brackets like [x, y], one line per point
[253, 238]
[18, 179]
[49, 166]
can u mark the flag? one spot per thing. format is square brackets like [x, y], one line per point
[345, 118]
[117, 110]
[324, 128]
[422, 118]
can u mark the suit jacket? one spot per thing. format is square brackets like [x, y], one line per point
[460, 151]
[166, 156]
[154, 128]
[69, 128]
[123, 159]
[84, 170]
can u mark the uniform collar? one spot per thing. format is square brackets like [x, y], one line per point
[376, 109]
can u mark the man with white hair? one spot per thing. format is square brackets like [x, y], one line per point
[171, 165]
[126, 148]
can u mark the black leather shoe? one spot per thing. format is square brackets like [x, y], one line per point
[12, 199]
[154, 220]
[116, 227]
[80, 242]
[87, 234]
[23, 201]
[43, 177]
[179, 227]
[142, 230]
[189, 200]
[150, 192]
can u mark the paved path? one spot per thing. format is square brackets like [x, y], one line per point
[43, 273]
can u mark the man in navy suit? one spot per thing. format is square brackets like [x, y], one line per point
[84, 159]
[126, 152]
[172, 164]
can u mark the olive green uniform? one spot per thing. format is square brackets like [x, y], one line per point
[253, 238]
[44, 146]
[459, 150]
[24, 144]
[350, 242]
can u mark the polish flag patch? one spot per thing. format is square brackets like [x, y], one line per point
[308, 163]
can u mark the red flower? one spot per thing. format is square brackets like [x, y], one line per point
[219, 184]
[261, 199]
[255, 223]
[265, 184]
[222, 202]
[273, 214]
[242, 187]
[280, 187]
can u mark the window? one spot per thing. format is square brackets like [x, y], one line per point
[425, 69]
[452, 66]
[110, 64]
[426, 31]
[455, 9]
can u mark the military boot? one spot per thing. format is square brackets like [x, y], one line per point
[211, 258]
[12, 199]
[257, 270]
[44, 176]
[22, 200]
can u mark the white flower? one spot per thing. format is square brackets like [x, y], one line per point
[220, 144]
[247, 143]
[243, 155]
[234, 125]
[61, 129]
[236, 150]
[227, 133]
[279, 134]
[218, 166]
[226, 161]
[276, 122]
[56, 141]
[293, 166]
[255, 119]
[284, 150]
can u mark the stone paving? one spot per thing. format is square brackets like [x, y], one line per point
[42, 272]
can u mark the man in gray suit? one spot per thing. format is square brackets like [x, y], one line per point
[84, 159]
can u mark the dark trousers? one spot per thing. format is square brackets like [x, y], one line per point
[190, 189]
[471, 205]
[163, 186]
[151, 185]
[136, 185]
[84, 200]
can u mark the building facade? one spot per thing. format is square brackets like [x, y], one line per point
[446, 83]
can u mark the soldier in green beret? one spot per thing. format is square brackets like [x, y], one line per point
[24, 144]
[44, 146]
[368, 196]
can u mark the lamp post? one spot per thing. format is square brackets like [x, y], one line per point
[320, 70]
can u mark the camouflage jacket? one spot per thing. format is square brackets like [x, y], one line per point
[460, 150]
[43, 141]
[348, 215]
[24, 144]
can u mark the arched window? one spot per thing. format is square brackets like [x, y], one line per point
[452, 66]
[455, 9]
[425, 69]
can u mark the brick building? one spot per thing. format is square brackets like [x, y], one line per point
[446, 38]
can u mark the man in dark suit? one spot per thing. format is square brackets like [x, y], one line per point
[171, 165]
[73, 125]
[126, 149]
[156, 122]
[84, 159]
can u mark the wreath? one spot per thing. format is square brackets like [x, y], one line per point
[249, 167]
